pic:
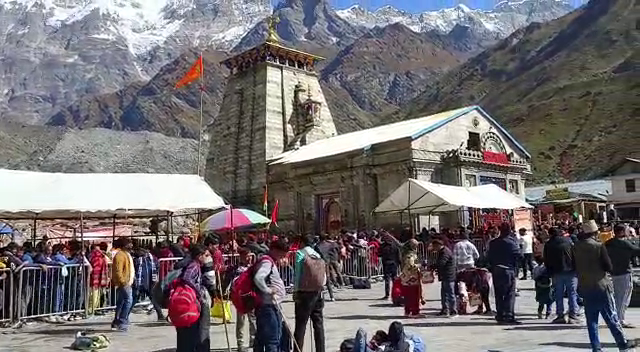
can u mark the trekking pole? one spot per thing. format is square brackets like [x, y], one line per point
[286, 325]
[224, 315]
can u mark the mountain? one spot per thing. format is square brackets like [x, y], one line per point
[394, 63]
[568, 89]
[498, 23]
[54, 52]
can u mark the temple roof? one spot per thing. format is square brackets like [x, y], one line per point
[274, 49]
[365, 139]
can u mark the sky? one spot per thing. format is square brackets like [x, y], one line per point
[423, 5]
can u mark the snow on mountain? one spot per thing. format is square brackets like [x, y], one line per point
[505, 18]
[144, 24]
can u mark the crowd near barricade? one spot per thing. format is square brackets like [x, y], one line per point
[62, 292]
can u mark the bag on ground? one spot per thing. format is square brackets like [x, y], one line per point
[244, 294]
[184, 307]
[361, 283]
[314, 271]
[84, 342]
[221, 310]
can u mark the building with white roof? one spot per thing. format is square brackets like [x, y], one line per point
[275, 132]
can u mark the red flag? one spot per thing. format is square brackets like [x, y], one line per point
[274, 214]
[196, 71]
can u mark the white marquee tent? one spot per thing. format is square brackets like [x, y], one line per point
[27, 194]
[422, 197]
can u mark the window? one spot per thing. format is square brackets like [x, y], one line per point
[473, 143]
[514, 187]
[470, 180]
[630, 185]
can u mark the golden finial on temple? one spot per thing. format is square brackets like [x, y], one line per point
[272, 21]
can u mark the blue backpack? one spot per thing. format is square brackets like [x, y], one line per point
[418, 344]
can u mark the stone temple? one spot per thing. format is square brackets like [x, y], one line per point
[274, 131]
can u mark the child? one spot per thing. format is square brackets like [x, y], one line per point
[231, 274]
[411, 279]
[544, 294]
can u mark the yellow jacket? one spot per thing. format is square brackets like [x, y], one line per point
[121, 269]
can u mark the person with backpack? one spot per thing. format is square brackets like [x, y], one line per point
[269, 293]
[189, 304]
[310, 279]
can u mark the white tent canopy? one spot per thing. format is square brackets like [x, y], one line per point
[422, 197]
[27, 194]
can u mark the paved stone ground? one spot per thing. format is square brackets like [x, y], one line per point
[353, 309]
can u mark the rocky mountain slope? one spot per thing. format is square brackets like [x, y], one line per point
[394, 63]
[59, 149]
[568, 89]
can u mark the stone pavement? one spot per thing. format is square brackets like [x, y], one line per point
[353, 309]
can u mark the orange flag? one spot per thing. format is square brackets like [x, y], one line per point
[196, 71]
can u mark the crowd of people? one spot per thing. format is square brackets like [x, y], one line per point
[565, 260]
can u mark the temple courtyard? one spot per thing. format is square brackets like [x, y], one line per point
[352, 309]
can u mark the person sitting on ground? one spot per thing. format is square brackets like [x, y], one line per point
[395, 340]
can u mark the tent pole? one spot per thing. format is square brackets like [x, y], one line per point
[33, 231]
[82, 233]
[113, 229]
[409, 209]
[168, 225]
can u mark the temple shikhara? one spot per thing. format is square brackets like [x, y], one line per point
[275, 131]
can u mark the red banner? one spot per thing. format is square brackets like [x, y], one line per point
[496, 158]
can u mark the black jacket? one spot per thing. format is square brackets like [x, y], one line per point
[444, 265]
[621, 252]
[329, 250]
[389, 253]
[559, 255]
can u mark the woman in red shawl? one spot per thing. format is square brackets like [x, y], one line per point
[99, 277]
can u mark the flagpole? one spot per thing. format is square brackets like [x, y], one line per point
[201, 112]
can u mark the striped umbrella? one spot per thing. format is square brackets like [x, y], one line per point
[234, 218]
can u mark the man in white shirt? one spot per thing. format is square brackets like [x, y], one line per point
[526, 246]
[465, 253]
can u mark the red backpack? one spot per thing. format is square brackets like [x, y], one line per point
[244, 294]
[184, 308]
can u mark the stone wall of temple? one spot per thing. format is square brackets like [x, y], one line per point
[254, 125]
[358, 183]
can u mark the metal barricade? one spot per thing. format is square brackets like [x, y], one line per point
[51, 291]
[165, 265]
[7, 293]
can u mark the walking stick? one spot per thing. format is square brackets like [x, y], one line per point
[286, 325]
[224, 315]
